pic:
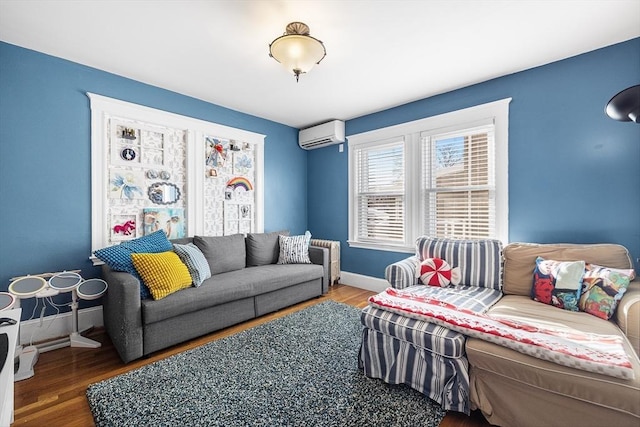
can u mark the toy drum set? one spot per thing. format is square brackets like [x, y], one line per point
[7, 301]
[38, 287]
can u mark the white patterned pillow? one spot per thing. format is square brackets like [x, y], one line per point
[294, 249]
[195, 261]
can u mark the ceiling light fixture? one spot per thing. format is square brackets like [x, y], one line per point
[625, 106]
[297, 50]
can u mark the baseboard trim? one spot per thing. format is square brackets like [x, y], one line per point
[59, 326]
[369, 283]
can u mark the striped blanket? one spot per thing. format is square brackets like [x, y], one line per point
[591, 352]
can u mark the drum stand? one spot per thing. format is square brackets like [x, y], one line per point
[65, 282]
[27, 356]
[36, 286]
[75, 339]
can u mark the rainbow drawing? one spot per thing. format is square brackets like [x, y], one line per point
[240, 182]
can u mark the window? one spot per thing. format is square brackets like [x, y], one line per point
[443, 176]
[381, 194]
[459, 184]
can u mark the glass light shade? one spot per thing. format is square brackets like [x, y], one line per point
[298, 53]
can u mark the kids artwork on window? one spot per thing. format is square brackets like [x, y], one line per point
[169, 220]
[153, 170]
[230, 177]
[215, 155]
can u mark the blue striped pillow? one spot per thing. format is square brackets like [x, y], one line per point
[195, 261]
[480, 260]
[118, 257]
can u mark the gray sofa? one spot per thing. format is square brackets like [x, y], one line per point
[246, 283]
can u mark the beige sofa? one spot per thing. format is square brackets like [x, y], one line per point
[513, 389]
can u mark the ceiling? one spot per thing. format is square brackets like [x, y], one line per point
[379, 53]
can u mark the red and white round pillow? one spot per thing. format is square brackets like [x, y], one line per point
[437, 272]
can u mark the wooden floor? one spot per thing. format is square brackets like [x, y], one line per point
[55, 396]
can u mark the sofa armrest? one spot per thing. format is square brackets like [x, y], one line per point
[402, 274]
[122, 313]
[320, 256]
[628, 314]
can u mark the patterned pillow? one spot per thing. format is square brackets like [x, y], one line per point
[163, 272]
[294, 249]
[118, 257]
[479, 260]
[195, 261]
[558, 283]
[438, 272]
[602, 288]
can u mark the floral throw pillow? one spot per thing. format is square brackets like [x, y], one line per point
[437, 272]
[558, 283]
[602, 288]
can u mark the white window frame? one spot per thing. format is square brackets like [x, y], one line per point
[104, 108]
[496, 112]
[385, 144]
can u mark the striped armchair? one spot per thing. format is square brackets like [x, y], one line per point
[425, 356]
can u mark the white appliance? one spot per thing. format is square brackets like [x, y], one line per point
[322, 135]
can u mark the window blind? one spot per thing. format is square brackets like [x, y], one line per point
[459, 183]
[381, 193]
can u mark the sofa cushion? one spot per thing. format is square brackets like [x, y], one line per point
[195, 261]
[550, 378]
[294, 249]
[424, 335]
[164, 273]
[520, 260]
[223, 253]
[602, 288]
[230, 286]
[263, 248]
[480, 261]
[268, 278]
[118, 257]
[557, 283]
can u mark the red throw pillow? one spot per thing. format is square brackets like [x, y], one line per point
[437, 272]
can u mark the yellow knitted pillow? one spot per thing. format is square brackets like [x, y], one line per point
[163, 273]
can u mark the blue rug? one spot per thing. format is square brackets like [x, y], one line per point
[298, 370]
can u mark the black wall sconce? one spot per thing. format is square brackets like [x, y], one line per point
[625, 106]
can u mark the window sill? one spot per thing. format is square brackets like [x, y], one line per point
[381, 246]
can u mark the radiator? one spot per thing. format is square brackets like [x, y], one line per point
[334, 257]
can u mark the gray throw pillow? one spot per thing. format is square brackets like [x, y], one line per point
[263, 248]
[223, 253]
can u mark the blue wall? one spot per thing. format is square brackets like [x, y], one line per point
[45, 160]
[574, 174]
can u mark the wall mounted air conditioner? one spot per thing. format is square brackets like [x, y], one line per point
[322, 135]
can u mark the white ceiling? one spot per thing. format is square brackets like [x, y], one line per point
[379, 53]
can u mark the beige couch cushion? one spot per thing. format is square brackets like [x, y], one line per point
[554, 381]
[520, 260]
[628, 315]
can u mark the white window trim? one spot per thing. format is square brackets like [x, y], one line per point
[103, 108]
[496, 112]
